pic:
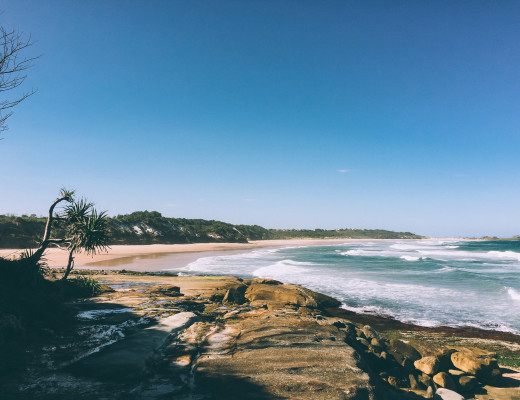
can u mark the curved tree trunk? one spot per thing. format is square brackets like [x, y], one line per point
[70, 263]
[46, 241]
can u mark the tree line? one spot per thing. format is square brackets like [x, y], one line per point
[149, 227]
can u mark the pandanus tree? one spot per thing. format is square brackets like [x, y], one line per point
[48, 240]
[85, 229]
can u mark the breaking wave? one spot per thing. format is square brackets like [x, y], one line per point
[429, 283]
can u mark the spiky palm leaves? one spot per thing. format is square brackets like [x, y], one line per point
[86, 230]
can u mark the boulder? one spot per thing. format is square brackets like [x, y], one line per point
[264, 281]
[426, 380]
[428, 365]
[404, 353]
[443, 379]
[429, 393]
[392, 380]
[370, 332]
[475, 362]
[363, 342]
[377, 343]
[339, 324]
[321, 300]
[235, 294]
[415, 383]
[447, 394]
[350, 330]
[171, 291]
[279, 296]
[385, 359]
[444, 358]
[375, 349]
[495, 374]
[468, 383]
[306, 311]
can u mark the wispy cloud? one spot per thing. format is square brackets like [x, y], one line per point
[343, 171]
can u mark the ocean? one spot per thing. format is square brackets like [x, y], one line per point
[424, 282]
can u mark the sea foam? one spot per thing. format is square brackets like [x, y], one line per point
[515, 295]
[423, 282]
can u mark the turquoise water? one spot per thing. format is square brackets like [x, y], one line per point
[425, 282]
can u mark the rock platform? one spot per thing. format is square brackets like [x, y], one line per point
[230, 338]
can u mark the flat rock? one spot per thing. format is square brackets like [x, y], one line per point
[286, 357]
[446, 394]
[128, 357]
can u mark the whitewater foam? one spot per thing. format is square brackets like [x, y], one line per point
[515, 295]
[507, 255]
[283, 269]
[428, 283]
[410, 258]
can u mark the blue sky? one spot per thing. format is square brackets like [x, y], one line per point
[401, 115]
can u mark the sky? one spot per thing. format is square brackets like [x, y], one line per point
[401, 115]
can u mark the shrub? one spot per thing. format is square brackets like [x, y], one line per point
[80, 286]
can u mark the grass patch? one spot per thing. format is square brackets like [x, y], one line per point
[509, 360]
[80, 287]
[210, 308]
[201, 332]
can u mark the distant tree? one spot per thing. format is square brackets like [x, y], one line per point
[84, 229]
[13, 64]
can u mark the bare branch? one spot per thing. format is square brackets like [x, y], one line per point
[12, 66]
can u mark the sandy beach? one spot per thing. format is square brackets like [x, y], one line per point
[126, 254]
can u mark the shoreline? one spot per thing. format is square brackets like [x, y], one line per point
[266, 335]
[383, 324]
[125, 254]
[379, 322]
[153, 258]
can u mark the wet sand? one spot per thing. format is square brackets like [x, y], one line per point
[155, 257]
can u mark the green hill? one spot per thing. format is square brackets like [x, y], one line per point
[148, 227]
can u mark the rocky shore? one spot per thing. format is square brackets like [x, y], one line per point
[157, 337]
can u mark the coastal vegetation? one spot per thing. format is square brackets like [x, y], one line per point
[255, 232]
[148, 227]
[32, 300]
[34, 304]
[82, 229]
[516, 237]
